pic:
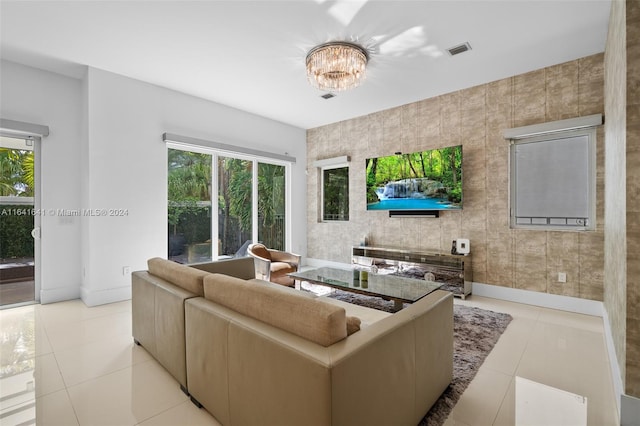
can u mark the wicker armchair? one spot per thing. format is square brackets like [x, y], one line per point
[274, 265]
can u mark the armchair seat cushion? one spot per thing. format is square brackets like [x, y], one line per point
[279, 271]
[281, 268]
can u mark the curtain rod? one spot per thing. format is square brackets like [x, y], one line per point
[171, 137]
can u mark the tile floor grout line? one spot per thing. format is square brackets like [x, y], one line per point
[504, 398]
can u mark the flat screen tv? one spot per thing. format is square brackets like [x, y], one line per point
[423, 180]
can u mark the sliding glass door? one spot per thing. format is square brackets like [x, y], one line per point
[189, 191]
[271, 205]
[235, 206]
[19, 221]
[251, 204]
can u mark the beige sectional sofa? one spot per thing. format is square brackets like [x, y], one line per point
[157, 304]
[259, 353]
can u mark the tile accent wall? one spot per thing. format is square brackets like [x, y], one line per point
[633, 197]
[475, 118]
[615, 195]
[622, 197]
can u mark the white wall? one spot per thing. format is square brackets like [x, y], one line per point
[35, 96]
[106, 151]
[127, 169]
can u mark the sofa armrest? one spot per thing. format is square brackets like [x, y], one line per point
[411, 353]
[239, 267]
[262, 267]
[157, 308]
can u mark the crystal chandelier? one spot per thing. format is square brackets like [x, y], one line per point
[336, 66]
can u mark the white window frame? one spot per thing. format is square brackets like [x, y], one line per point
[255, 159]
[329, 164]
[555, 132]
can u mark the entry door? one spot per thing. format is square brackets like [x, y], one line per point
[19, 221]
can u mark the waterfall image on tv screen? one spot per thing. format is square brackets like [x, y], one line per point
[423, 180]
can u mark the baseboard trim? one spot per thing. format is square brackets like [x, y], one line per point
[59, 294]
[102, 297]
[545, 300]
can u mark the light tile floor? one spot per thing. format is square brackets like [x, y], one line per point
[66, 364]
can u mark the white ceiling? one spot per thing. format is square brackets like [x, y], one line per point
[250, 54]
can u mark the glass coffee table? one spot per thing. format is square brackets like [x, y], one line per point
[389, 287]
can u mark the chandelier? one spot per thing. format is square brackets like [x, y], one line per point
[336, 66]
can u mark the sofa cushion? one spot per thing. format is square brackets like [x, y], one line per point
[183, 276]
[311, 319]
[353, 325]
[261, 250]
[280, 287]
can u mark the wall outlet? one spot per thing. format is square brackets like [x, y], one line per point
[562, 277]
[126, 270]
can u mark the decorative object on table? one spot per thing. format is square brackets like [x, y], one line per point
[463, 246]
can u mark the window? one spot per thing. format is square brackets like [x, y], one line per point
[251, 201]
[271, 205]
[335, 193]
[552, 176]
[189, 206]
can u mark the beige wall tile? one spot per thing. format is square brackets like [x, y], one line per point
[391, 130]
[449, 119]
[633, 180]
[529, 98]
[562, 249]
[633, 69]
[376, 136]
[590, 87]
[632, 386]
[530, 260]
[500, 258]
[562, 91]
[409, 127]
[428, 119]
[475, 118]
[633, 204]
[530, 274]
[633, 289]
[614, 217]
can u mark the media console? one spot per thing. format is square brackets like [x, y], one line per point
[453, 270]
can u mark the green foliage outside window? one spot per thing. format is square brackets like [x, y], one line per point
[16, 180]
[336, 194]
[189, 186]
[16, 172]
[190, 208]
[15, 231]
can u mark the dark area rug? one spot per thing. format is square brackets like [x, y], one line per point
[475, 333]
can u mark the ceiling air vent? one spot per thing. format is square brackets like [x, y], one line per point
[461, 48]
[327, 96]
